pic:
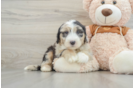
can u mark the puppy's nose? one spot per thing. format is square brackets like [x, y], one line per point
[107, 12]
[72, 42]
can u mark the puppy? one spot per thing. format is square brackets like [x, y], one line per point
[72, 45]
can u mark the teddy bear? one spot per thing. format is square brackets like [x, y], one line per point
[110, 41]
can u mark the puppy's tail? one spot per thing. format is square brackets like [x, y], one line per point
[32, 68]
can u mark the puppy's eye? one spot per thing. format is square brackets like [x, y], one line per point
[103, 2]
[114, 2]
[65, 34]
[80, 33]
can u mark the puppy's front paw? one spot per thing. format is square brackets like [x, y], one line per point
[82, 57]
[73, 59]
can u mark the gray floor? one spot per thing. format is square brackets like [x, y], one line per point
[17, 78]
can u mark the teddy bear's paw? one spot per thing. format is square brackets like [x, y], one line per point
[73, 59]
[123, 62]
[62, 65]
[82, 57]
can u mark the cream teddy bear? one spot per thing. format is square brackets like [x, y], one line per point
[110, 40]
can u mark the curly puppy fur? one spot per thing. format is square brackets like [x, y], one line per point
[71, 44]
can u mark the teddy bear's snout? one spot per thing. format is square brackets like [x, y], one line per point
[107, 12]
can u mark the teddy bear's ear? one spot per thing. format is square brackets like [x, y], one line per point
[131, 3]
[86, 4]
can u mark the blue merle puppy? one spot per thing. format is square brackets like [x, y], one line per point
[71, 36]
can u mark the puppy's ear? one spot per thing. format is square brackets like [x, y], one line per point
[131, 3]
[58, 35]
[86, 38]
[86, 4]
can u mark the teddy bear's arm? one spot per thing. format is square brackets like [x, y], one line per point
[89, 34]
[129, 39]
